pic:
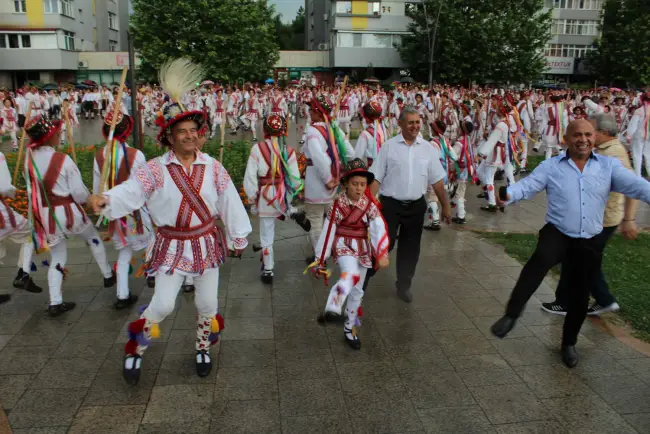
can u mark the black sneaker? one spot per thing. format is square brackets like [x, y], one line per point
[596, 309]
[555, 308]
[109, 282]
[124, 303]
[60, 309]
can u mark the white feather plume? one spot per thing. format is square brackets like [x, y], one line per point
[179, 76]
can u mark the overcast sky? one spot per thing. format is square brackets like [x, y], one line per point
[288, 8]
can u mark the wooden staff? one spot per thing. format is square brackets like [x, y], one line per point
[68, 131]
[338, 101]
[223, 138]
[22, 144]
[109, 142]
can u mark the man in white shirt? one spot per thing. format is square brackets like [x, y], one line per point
[405, 166]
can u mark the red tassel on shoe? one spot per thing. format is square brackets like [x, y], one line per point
[131, 347]
[220, 321]
[137, 326]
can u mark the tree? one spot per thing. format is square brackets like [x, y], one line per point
[622, 54]
[291, 36]
[233, 40]
[499, 41]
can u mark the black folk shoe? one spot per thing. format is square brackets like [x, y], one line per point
[60, 309]
[131, 367]
[125, 303]
[203, 363]
[352, 339]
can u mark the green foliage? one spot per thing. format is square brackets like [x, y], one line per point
[622, 55]
[291, 36]
[625, 266]
[233, 40]
[499, 40]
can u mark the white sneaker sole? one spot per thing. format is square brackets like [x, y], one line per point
[554, 312]
[614, 307]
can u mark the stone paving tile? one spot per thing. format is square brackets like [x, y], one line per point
[429, 366]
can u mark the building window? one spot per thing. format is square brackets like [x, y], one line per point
[343, 7]
[13, 41]
[374, 8]
[26, 41]
[68, 38]
[567, 50]
[66, 8]
[112, 21]
[594, 5]
[51, 6]
[367, 40]
[20, 6]
[112, 45]
[575, 27]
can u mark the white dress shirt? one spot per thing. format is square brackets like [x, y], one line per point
[405, 171]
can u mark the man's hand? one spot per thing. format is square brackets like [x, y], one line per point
[332, 184]
[445, 214]
[97, 202]
[383, 262]
[629, 230]
[502, 203]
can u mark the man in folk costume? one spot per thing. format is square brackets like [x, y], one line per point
[619, 111]
[16, 228]
[638, 134]
[370, 140]
[527, 117]
[465, 159]
[279, 104]
[271, 182]
[495, 153]
[344, 115]
[73, 120]
[553, 125]
[356, 236]
[185, 191]
[133, 233]
[448, 160]
[326, 151]
[232, 110]
[218, 112]
[56, 192]
[252, 113]
[449, 116]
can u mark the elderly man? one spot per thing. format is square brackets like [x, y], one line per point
[618, 211]
[405, 166]
[577, 184]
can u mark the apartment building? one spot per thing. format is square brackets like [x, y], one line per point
[574, 27]
[42, 40]
[360, 35]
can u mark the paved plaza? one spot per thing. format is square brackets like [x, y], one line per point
[427, 367]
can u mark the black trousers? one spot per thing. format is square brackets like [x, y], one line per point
[407, 219]
[582, 258]
[600, 291]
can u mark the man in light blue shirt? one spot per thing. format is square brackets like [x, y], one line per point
[577, 185]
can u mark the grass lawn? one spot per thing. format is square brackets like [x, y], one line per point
[626, 270]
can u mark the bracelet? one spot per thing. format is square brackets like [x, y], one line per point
[629, 220]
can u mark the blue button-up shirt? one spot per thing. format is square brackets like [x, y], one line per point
[576, 200]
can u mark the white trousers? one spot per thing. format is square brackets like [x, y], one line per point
[267, 235]
[124, 257]
[641, 151]
[21, 236]
[524, 153]
[315, 212]
[349, 287]
[460, 199]
[59, 257]
[488, 179]
[206, 299]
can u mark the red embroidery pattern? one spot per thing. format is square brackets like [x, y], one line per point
[150, 176]
[221, 177]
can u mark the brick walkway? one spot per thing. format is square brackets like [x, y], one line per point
[431, 366]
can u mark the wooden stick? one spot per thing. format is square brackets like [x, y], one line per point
[22, 143]
[103, 186]
[223, 138]
[68, 131]
[338, 101]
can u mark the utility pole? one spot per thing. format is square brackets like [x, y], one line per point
[134, 95]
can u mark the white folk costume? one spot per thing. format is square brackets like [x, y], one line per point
[355, 235]
[639, 132]
[183, 204]
[16, 228]
[9, 124]
[373, 137]
[448, 160]
[326, 151]
[133, 233]
[465, 160]
[73, 120]
[271, 182]
[57, 193]
[527, 117]
[553, 124]
[218, 114]
[252, 114]
[344, 116]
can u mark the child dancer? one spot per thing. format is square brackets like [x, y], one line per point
[355, 234]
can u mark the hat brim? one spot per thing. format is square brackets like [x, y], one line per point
[57, 124]
[196, 116]
[359, 172]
